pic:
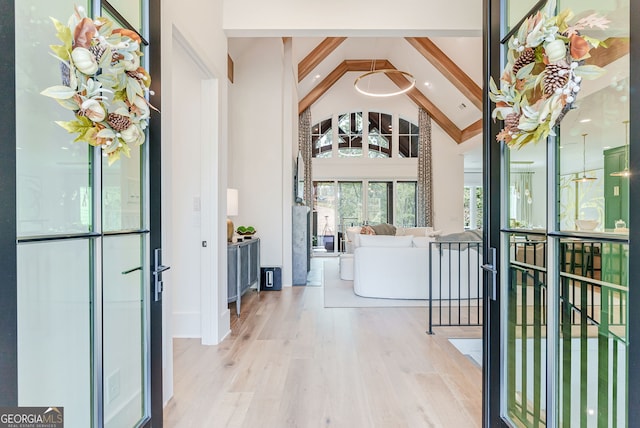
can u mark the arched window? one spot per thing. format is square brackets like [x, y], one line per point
[407, 139]
[351, 130]
[322, 139]
[380, 130]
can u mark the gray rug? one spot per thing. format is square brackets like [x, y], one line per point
[339, 293]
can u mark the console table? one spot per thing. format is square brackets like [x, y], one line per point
[243, 267]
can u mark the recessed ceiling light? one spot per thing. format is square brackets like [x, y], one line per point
[606, 147]
[585, 120]
[64, 148]
[427, 83]
[317, 76]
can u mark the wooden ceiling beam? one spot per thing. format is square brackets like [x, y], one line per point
[421, 100]
[471, 131]
[317, 55]
[448, 69]
[230, 68]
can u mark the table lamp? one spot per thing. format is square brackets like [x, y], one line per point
[232, 210]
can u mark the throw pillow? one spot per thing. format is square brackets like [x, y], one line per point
[385, 241]
[367, 230]
[384, 229]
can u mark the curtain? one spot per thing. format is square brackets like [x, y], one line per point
[306, 149]
[425, 176]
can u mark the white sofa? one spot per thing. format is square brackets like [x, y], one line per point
[402, 271]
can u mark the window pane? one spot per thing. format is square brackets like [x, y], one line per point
[53, 172]
[380, 130]
[407, 139]
[124, 337]
[54, 328]
[350, 135]
[131, 10]
[379, 208]
[121, 193]
[406, 204]
[350, 202]
[324, 216]
[322, 139]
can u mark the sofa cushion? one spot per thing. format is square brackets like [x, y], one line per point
[353, 237]
[384, 229]
[385, 241]
[417, 231]
[467, 235]
[423, 241]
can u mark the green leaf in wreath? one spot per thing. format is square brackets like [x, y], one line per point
[589, 71]
[525, 71]
[63, 34]
[59, 92]
[78, 125]
[60, 52]
[69, 104]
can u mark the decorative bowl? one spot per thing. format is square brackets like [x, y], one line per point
[587, 224]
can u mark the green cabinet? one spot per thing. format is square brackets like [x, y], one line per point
[616, 189]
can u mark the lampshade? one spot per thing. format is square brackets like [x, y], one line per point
[232, 202]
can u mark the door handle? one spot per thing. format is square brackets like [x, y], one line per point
[126, 272]
[490, 267]
[158, 268]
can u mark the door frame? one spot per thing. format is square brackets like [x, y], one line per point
[155, 209]
[492, 153]
[8, 225]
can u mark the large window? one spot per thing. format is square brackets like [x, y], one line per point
[342, 204]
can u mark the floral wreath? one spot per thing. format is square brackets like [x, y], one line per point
[102, 83]
[545, 65]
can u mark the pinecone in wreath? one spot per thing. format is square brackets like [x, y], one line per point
[555, 76]
[511, 122]
[526, 57]
[97, 51]
[118, 122]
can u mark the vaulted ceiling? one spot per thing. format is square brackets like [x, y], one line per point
[447, 72]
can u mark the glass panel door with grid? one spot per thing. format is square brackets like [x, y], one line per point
[83, 252]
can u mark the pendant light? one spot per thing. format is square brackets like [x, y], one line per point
[584, 177]
[625, 172]
[393, 74]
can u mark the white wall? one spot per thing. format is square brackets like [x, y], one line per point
[201, 34]
[355, 17]
[260, 157]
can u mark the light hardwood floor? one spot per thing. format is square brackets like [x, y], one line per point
[290, 362]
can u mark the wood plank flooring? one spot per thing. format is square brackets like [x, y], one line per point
[290, 362]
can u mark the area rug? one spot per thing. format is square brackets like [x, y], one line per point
[339, 293]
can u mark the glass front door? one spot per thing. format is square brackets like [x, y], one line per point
[83, 247]
[563, 298]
